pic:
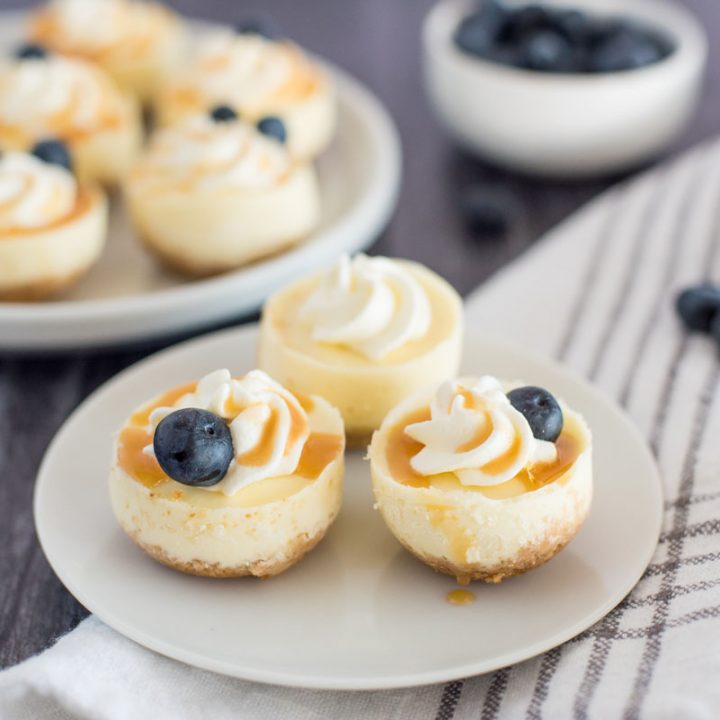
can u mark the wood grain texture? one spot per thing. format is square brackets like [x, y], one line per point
[378, 41]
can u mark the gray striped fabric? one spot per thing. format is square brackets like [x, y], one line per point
[597, 294]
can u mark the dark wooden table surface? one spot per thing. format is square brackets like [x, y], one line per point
[378, 41]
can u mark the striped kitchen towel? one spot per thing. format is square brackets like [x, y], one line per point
[596, 294]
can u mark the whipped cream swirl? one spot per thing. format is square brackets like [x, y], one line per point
[33, 193]
[95, 26]
[248, 71]
[200, 154]
[475, 433]
[269, 427]
[55, 96]
[371, 305]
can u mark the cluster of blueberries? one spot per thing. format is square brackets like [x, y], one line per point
[559, 40]
[270, 125]
[699, 308]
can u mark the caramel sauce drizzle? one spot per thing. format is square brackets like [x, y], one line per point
[401, 448]
[479, 438]
[168, 399]
[502, 463]
[460, 597]
[46, 29]
[144, 468]
[319, 450]
[82, 204]
[260, 454]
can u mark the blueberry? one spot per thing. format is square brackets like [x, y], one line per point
[715, 328]
[602, 28]
[478, 32]
[573, 24]
[54, 152]
[487, 209]
[509, 55]
[523, 21]
[626, 49]
[541, 410]
[193, 447]
[223, 113]
[273, 127]
[31, 52]
[699, 306]
[264, 27]
[548, 51]
[473, 36]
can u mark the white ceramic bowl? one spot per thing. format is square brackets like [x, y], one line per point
[565, 125]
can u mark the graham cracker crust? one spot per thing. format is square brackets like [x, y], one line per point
[530, 557]
[260, 568]
[188, 269]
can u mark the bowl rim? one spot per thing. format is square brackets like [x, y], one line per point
[691, 43]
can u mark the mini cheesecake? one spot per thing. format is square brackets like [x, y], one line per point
[213, 193]
[44, 95]
[364, 334]
[257, 474]
[52, 229]
[479, 484]
[258, 77]
[140, 44]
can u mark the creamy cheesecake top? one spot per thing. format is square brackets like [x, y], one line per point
[201, 154]
[56, 96]
[371, 305]
[475, 432]
[279, 442]
[248, 71]
[366, 312]
[102, 28]
[469, 436]
[33, 194]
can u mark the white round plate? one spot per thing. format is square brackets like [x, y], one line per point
[127, 296]
[358, 612]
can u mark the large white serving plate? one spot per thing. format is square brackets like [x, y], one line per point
[127, 297]
[359, 611]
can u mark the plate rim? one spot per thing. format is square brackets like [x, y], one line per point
[371, 211]
[298, 680]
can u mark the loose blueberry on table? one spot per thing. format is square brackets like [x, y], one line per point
[540, 409]
[193, 447]
[699, 307]
[486, 209]
[54, 152]
[560, 40]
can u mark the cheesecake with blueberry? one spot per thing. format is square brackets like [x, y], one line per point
[52, 227]
[229, 476]
[482, 480]
[365, 334]
[213, 193]
[47, 95]
[140, 44]
[258, 76]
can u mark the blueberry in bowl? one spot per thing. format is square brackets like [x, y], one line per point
[563, 88]
[560, 39]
